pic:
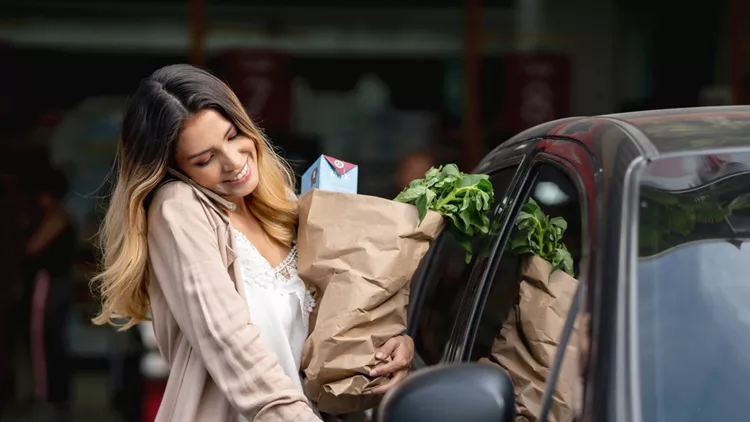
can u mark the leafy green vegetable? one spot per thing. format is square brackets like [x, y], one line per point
[537, 234]
[464, 199]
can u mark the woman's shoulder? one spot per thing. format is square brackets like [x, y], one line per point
[174, 190]
[177, 200]
[174, 193]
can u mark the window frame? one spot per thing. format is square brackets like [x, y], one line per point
[522, 192]
[519, 159]
[454, 349]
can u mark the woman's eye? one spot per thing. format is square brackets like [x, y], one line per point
[233, 136]
[204, 163]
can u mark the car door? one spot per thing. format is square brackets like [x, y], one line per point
[561, 179]
[440, 284]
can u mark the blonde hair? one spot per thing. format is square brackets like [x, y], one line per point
[151, 127]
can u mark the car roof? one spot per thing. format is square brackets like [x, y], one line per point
[657, 132]
[688, 129]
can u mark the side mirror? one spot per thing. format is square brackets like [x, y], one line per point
[454, 393]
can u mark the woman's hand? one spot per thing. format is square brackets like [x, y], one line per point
[396, 356]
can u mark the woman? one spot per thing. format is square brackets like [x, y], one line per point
[200, 233]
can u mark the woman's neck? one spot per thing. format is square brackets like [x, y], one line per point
[242, 208]
[243, 219]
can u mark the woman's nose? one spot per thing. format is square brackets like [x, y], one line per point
[235, 160]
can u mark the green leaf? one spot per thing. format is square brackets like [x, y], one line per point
[562, 259]
[518, 243]
[447, 180]
[478, 202]
[556, 260]
[451, 170]
[450, 208]
[430, 197]
[484, 228]
[484, 185]
[522, 250]
[415, 183]
[432, 173]
[487, 200]
[466, 203]
[455, 222]
[559, 222]
[530, 207]
[410, 195]
[568, 263]
[523, 216]
[421, 204]
[470, 180]
[539, 215]
[466, 220]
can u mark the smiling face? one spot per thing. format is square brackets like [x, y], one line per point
[213, 153]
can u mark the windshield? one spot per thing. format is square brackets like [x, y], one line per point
[693, 289]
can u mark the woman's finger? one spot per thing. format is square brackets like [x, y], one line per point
[382, 389]
[388, 348]
[383, 368]
[398, 363]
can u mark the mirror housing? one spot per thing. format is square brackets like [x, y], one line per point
[451, 393]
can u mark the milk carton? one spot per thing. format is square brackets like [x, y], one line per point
[331, 174]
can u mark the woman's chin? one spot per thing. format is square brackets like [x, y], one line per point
[241, 191]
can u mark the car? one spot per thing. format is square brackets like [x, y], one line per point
[658, 211]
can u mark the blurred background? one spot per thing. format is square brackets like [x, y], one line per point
[394, 86]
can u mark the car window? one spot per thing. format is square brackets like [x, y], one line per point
[444, 282]
[692, 288]
[522, 319]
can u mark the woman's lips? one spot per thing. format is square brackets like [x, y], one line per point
[244, 175]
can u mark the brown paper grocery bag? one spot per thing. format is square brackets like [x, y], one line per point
[358, 253]
[529, 339]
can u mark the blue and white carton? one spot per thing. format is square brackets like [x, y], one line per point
[331, 174]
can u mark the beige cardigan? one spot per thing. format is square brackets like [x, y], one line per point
[219, 366]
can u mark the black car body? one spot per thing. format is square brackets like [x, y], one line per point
[656, 204]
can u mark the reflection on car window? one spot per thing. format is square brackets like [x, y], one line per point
[693, 293]
[558, 197]
[444, 284]
[521, 322]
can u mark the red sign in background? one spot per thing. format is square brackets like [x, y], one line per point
[537, 89]
[262, 81]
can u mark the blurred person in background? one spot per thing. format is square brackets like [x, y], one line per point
[444, 148]
[50, 254]
[11, 283]
[200, 236]
[412, 166]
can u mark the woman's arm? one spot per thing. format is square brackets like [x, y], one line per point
[187, 264]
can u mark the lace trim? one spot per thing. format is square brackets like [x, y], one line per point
[282, 280]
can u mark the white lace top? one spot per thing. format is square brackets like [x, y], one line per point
[279, 304]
